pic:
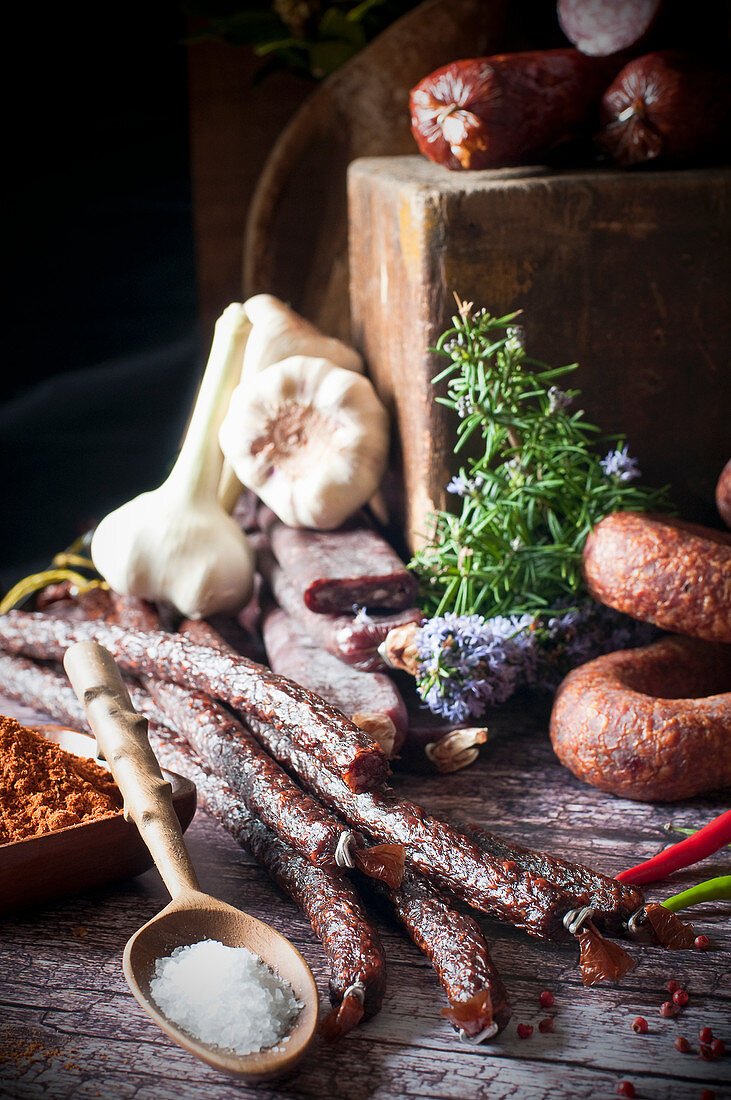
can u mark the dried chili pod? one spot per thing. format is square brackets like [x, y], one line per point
[490, 112]
[665, 107]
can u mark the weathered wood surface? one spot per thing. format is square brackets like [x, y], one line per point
[70, 1028]
[624, 272]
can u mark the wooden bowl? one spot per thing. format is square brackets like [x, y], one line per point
[68, 861]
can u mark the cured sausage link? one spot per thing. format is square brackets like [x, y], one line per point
[352, 638]
[454, 944]
[613, 902]
[331, 904]
[246, 686]
[431, 847]
[230, 752]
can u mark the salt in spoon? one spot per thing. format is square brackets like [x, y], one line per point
[191, 916]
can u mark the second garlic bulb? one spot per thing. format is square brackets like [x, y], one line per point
[309, 438]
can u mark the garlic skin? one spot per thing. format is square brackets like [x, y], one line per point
[309, 438]
[175, 544]
[279, 332]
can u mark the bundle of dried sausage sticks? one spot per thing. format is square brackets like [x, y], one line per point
[303, 788]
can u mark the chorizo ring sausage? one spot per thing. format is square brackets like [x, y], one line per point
[660, 570]
[652, 724]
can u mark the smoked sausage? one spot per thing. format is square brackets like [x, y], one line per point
[651, 724]
[660, 570]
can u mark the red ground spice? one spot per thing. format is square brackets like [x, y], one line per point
[44, 788]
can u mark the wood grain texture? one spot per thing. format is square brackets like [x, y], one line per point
[626, 273]
[64, 1001]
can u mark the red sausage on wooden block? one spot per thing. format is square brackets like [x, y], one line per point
[491, 112]
[665, 107]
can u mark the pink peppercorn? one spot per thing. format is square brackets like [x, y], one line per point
[681, 997]
[626, 1088]
[718, 1048]
[545, 1024]
[546, 999]
[705, 1035]
[702, 943]
[682, 1044]
[672, 986]
[525, 1031]
[640, 1025]
[705, 1052]
[668, 1009]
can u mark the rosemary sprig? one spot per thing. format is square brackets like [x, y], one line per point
[532, 484]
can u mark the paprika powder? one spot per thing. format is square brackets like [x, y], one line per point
[43, 787]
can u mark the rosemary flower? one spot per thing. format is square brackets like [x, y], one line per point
[464, 486]
[618, 464]
[558, 400]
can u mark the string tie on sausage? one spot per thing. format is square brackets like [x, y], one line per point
[355, 989]
[473, 1040]
[344, 850]
[575, 919]
[634, 922]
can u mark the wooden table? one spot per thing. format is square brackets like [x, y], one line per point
[70, 1028]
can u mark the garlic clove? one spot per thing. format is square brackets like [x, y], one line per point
[309, 438]
[279, 332]
[197, 559]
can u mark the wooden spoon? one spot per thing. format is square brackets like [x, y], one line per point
[192, 915]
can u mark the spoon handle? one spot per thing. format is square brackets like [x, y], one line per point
[121, 735]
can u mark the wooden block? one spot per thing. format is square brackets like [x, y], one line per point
[624, 272]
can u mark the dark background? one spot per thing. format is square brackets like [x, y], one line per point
[103, 343]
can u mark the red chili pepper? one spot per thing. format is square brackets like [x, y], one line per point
[707, 840]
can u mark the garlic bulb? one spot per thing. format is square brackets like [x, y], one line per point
[176, 544]
[279, 332]
[309, 438]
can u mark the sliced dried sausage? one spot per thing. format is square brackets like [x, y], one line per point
[599, 28]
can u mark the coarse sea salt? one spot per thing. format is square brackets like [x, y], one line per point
[224, 996]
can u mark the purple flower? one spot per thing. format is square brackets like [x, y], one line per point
[619, 465]
[463, 486]
[468, 663]
[558, 399]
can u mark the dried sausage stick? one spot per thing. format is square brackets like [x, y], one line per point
[352, 638]
[229, 750]
[613, 903]
[431, 846]
[653, 724]
[331, 903]
[246, 686]
[454, 944]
